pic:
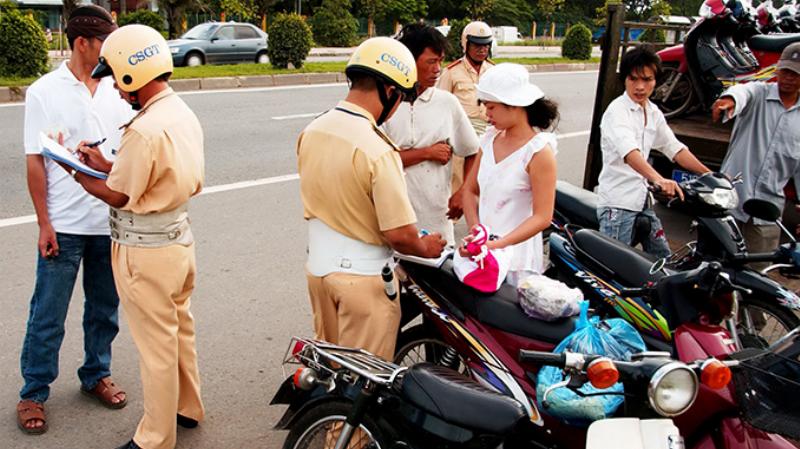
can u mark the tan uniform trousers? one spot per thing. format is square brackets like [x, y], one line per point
[155, 285]
[760, 239]
[354, 311]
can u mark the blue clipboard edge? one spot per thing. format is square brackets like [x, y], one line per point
[93, 173]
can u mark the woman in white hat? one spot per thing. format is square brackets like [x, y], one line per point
[511, 189]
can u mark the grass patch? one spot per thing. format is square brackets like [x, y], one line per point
[537, 61]
[209, 71]
[16, 82]
[212, 71]
[538, 42]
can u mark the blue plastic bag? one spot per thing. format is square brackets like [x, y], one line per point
[614, 338]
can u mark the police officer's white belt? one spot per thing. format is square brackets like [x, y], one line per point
[151, 230]
[330, 251]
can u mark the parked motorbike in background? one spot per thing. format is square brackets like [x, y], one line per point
[347, 398]
[766, 308]
[725, 47]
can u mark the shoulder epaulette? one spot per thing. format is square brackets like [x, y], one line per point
[454, 63]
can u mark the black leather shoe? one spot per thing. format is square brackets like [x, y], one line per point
[186, 423]
[129, 445]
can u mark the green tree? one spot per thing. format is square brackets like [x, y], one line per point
[636, 10]
[290, 40]
[518, 13]
[454, 49]
[24, 49]
[243, 9]
[7, 5]
[175, 11]
[333, 25]
[144, 17]
[404, 11]
[478, 9]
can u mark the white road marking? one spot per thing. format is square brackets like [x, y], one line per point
[26, 219]
[296, 116]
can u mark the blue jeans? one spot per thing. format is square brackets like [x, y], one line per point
[618, 223]
[55, 280]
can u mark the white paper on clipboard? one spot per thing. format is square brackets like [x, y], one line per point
[56, 152]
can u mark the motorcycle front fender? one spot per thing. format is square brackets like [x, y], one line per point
[767, 288]
[634, 433]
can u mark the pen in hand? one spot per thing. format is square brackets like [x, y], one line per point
[94, 144]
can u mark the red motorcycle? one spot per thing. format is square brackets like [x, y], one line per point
[723, 48]
[481, 335]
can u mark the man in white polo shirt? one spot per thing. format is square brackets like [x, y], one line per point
[428, 132]
[73, 225]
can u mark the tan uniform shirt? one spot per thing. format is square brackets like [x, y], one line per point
[460, 79]
[351, 178]
[160, 162]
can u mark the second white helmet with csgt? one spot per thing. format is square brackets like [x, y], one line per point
[134, 55]
[478, 33]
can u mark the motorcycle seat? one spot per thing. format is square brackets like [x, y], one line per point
[630, 265]
[774, 43]
[500, 310]
[460, 400]
[578, 205]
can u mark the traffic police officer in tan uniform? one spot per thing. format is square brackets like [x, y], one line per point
[461, 77]
[354, 198]
[159, 166]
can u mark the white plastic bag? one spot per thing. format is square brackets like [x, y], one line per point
[548, 299]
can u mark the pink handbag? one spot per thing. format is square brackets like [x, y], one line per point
[484, 270]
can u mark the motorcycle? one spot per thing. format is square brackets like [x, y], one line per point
[478, 335]
[723, 48]
[348, 398]
[766, 309]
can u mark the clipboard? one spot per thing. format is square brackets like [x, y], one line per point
[53, 150]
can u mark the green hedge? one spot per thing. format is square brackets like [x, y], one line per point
[577, 43]
[23, 52]
[333, 25]
[290, 40]
[143, 17]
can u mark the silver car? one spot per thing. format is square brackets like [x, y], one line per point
[220, 43]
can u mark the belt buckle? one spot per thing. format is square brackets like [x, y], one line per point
[172, 235]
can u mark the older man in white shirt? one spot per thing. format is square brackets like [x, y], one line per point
[428, 132]
[630, 128]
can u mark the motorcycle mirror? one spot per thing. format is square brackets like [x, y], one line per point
[658, 266]
[761, 209]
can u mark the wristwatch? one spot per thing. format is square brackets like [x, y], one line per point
[73, 172]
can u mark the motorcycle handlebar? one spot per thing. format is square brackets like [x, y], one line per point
[543, 358]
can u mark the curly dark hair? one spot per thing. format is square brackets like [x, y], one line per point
[543, 114]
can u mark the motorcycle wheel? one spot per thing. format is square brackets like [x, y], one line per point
[320, 426]
[418, 344]
[762, 322]
[680, 99]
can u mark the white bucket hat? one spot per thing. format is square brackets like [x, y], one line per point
[509, 84]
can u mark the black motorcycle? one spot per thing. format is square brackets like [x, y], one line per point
[767, 310]
[347, 398]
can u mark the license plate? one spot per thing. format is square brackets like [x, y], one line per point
[680, 176]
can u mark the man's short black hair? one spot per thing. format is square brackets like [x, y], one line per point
[418, 36]
[638, 58]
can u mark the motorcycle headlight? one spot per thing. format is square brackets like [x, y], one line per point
[174, 49]
[672, 389]
[722, 198]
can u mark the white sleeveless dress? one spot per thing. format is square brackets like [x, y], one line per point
[506, 199]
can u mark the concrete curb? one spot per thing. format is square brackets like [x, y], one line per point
[17, 94]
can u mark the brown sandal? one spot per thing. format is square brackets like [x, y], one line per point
[28, 411]
[105, 391]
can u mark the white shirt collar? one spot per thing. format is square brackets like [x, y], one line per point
[66, 74]
[426, 95]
